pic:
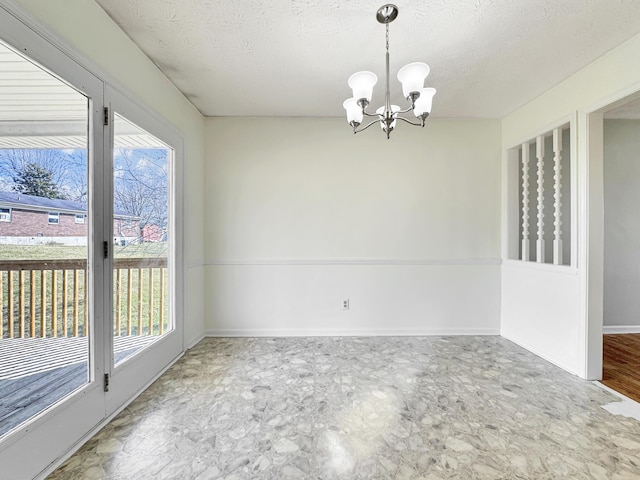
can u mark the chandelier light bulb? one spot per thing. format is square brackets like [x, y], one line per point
[354, 111]
[424, 102]
[362, 84]
[412, 77]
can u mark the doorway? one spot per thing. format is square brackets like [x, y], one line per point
[621, 260]
[45, 224]
[89, 250]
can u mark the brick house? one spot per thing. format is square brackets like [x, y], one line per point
[153, 233]
[30, 220]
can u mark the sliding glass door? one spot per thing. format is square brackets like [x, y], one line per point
[44, 229]
[144, 333]
[52, 353]
[88, 250]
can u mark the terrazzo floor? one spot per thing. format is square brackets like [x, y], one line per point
[363, 408]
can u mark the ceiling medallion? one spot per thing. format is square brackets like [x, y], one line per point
[411, 76]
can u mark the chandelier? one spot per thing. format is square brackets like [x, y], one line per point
[411, 76]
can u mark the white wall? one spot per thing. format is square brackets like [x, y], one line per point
[301, 214]
[564, 324]
[622, 223]
[85, 28]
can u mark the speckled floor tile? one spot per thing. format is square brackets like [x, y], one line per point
[325, 408]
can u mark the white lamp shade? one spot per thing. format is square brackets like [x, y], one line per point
[362, 85]
[354, 111]
[412, 77]
[394, 109]
[424, 101]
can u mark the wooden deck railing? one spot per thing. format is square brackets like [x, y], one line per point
[48, 298]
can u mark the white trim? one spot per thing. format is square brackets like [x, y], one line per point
[195, 340]
[541, 355]
[619, 329]
[366, 332]
[355, 261]
[592, 242]
[547, 267]
[614, 100]
[546, 131]
[64, 457]
[50, 432]
[3, 215]
[126, 374]
[591, 237]
[54, 215]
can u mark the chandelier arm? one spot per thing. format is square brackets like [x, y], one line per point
[410, 122]
[367, 114]
[406, 110]
[367, 126]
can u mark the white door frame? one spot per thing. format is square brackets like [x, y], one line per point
[592, 215]
[58, 428]
[139, 370]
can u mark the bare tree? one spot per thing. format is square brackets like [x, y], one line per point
[141, 187]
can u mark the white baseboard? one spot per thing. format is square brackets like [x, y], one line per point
[617, 329]
[297, 332]
[544, 357]
[194, 341]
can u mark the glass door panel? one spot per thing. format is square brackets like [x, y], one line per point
[44, 225]
[141, 238]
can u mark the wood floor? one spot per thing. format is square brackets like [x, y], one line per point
[621, 364]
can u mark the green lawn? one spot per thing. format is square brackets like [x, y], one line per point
[56, 251]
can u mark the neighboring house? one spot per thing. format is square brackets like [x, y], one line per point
[30, 220]
[153, 233]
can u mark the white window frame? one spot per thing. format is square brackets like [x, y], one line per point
[56, 431]
[6, 214]
[79, 219]
[53, 215]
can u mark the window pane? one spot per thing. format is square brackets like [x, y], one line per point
[141, 238]
[44, 348]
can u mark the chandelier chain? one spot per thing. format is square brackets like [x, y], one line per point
[387, 25]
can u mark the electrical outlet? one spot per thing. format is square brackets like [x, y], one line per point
[345, 304]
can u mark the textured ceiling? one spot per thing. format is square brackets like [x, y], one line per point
[293, 57]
